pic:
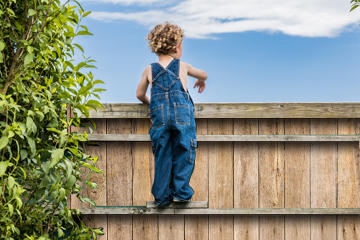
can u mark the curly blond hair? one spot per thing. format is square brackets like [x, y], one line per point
[164, 37]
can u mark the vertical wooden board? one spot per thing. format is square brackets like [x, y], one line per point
[348, 180]
[196, 226]
[221, 180]
[120, 227]
[297, 180]
[98, 150]
[348, 227]
[144, 226]
[246, 227]
[97, 221]
[348, 167]
[246, 180]
[297, 227]
[323, 179]
[171, 227]
[119, 179]
[271, 227]
[271, 179]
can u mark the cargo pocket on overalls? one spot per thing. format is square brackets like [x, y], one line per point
[182, 114]
[157, 116]
[193, 146]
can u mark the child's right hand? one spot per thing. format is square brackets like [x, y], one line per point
[200, 84]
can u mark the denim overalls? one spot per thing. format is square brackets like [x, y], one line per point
[173, 134]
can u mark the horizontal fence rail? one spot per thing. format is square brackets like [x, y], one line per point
[114, 210]
[233, 138]
[240, 110]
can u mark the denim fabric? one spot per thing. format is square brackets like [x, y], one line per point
[173, 134]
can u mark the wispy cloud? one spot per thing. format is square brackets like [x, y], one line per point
[204, 18]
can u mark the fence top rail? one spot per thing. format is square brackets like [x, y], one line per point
[241, 110]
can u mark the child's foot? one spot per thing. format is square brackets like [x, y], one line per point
[181, 201]
[163, 205]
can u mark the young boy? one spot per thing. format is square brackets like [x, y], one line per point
[173, 129]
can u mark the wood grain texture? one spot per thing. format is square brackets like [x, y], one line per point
[221, 180]
[246, 180]
[323, 179]
[196, 227]
[271, 179]
[144, 226]
[233, 138]
[297, 180]
[98, 194]
[348, 180]
[119, 179]
[241, 110]
[171, 227]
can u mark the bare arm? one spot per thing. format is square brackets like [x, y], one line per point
[196, 73]
[199, 74]
[142, 87]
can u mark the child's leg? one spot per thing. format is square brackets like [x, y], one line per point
[184, 149]
[162, 149]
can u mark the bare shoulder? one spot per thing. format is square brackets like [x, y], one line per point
[147, 72]
[184, 65]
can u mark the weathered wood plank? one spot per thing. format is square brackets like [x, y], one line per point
[323, 179]
[297, 184]
[171, 227]
[98, 194]
[192, 204]
[221, 180]
[197, 227]
[220, 211]
[241, 110]
[233, 138]
[144, 227]
[246, 180]
[119, 179]
[348, 181]
[348, 227]
[271, 179]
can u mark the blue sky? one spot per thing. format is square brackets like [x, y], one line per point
[283, 52]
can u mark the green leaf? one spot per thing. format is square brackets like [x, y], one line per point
[79, 47]
[2, 45]
[31, 143]
[84, 33]
[11, 209]
[56, 155]
[23, 172]
[85, 14]
[3, 141]
[70, 181]
[11, 182]
[354, 7]
[30, 125]
[3, 167]
[31, 12]
[62, 193]
[28, 58]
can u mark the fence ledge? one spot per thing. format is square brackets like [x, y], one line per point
[213, 211]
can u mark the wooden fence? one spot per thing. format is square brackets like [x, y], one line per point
[268, 171]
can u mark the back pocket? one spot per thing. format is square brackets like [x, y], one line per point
[157, 116]
[182, 114]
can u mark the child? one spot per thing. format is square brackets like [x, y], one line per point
[173, 129]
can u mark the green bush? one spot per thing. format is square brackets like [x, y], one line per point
[41, 163]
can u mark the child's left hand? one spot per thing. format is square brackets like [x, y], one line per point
[200, 84]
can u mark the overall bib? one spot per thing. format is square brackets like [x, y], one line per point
[173, 134]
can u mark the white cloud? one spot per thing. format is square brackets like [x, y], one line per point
[204, 18]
